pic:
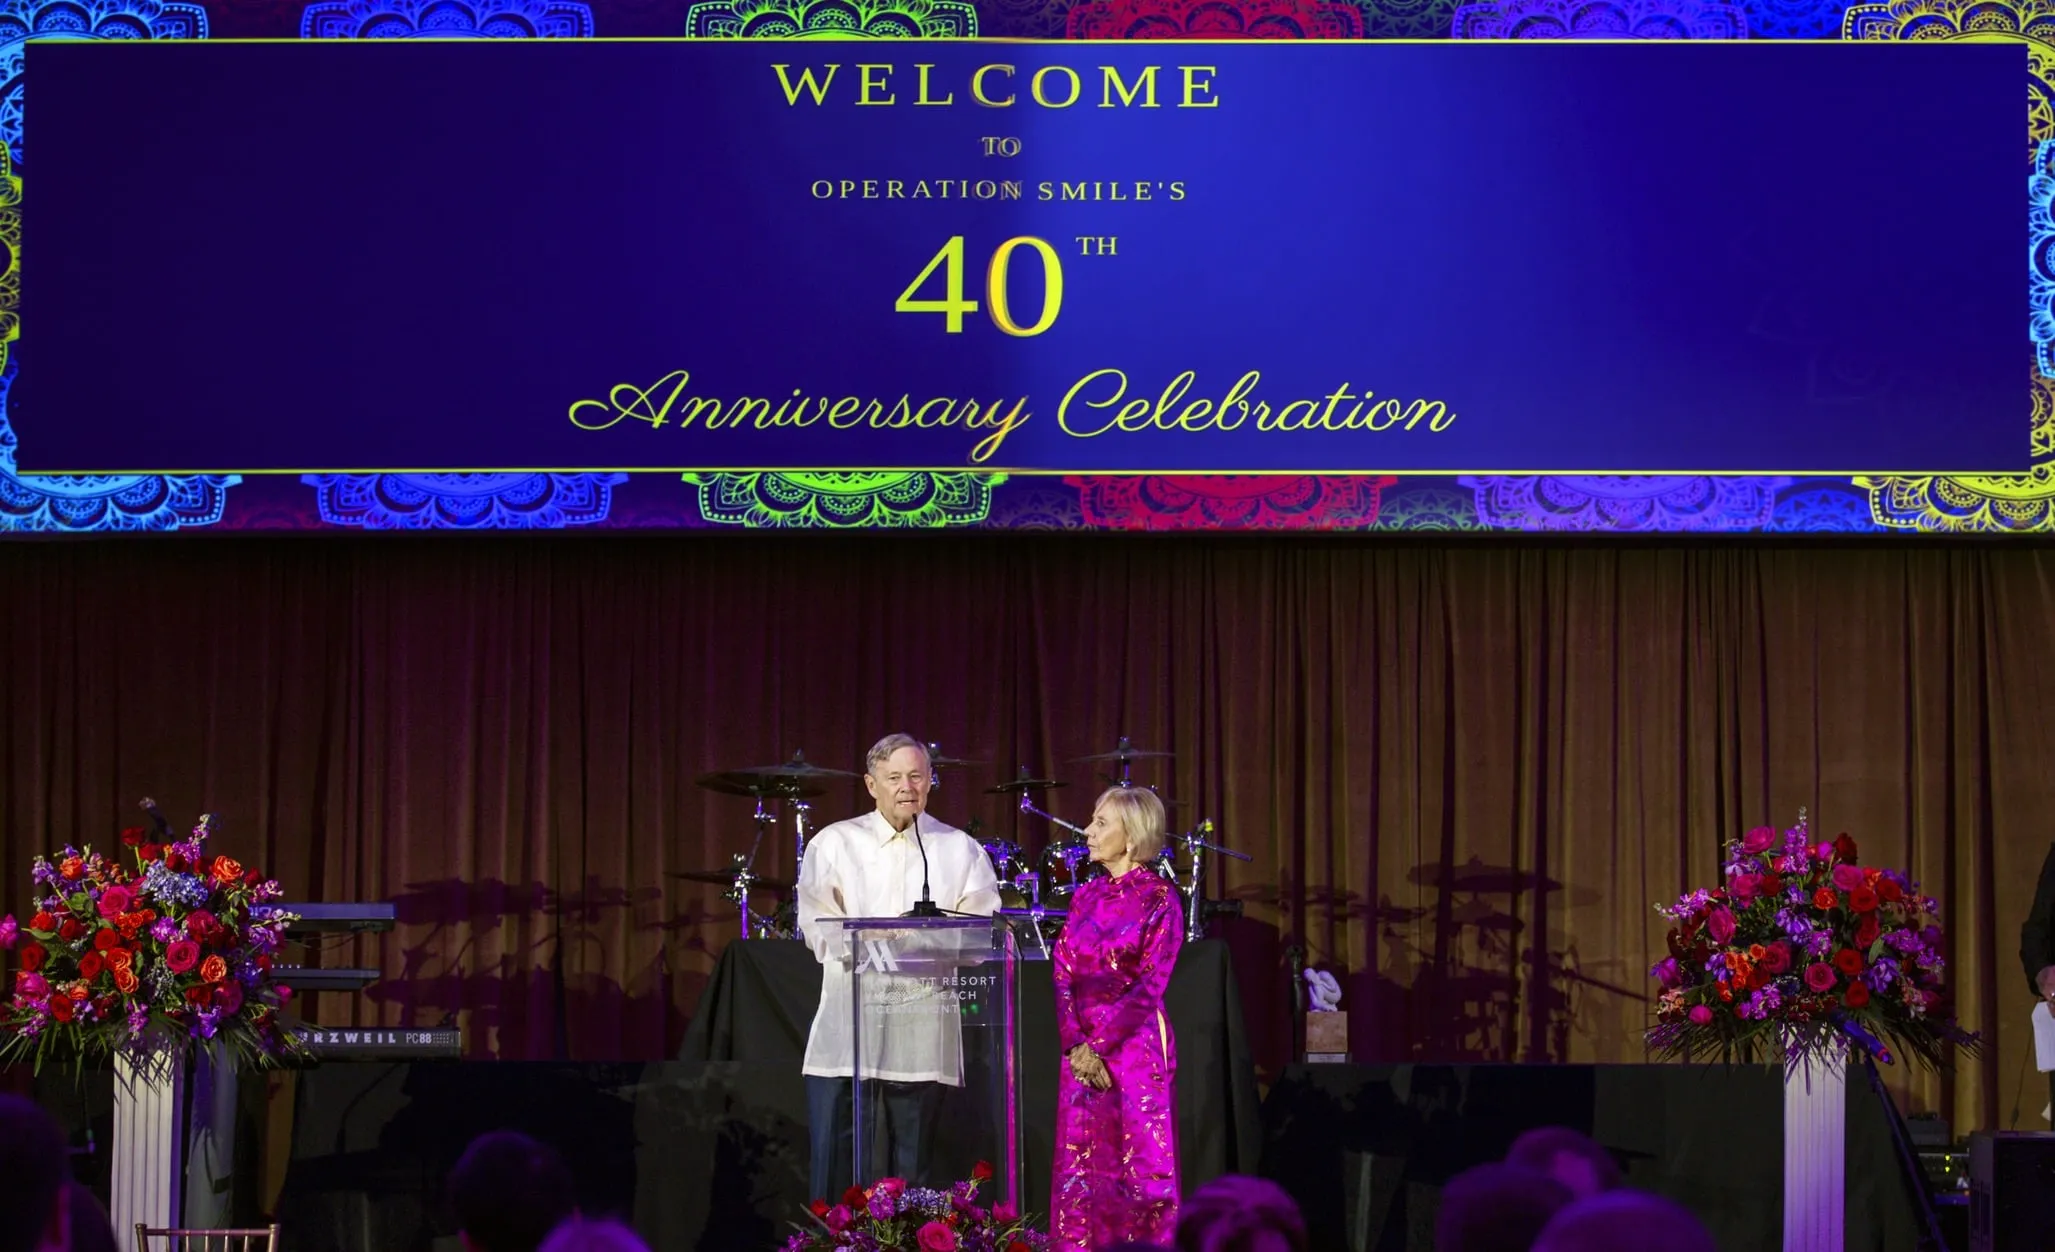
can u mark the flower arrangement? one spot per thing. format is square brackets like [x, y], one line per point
[1802, 951]
[146, 960]
[890, 1214]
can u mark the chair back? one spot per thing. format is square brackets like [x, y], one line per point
[264, 1240]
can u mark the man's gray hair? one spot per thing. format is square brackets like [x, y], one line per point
[882, 751]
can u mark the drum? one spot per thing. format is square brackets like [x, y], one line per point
[1065, 867]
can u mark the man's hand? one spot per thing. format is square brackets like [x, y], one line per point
[2046, 981]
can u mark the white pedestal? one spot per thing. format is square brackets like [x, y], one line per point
[148, 1110]
[1815, 1155]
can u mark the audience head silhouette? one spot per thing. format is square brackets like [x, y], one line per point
[1240, 1214]
[34, 1173]
[578, 1235]
[510, 1192]
[91, 1230]
[1624, 1221]
[1496, 1208]
[1572, 1159]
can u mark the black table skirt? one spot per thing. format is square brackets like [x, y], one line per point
[743, 1052]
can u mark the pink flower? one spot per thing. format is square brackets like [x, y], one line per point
[1823, 851]
[1847, 877]
[115, 901]
[1742, 888]
[182, 956]
[1761, 839]
[1720, 925]
[30, 986]
[1665, 972]
[894, 1187]
[1005, 1214]
[936, 1237]
[837, 1219]
[1819, 976]
[10, 930]
[1700, 1015]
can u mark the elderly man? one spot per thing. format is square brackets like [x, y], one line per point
[872, 866]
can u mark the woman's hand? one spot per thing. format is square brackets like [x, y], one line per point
[1090, 1068]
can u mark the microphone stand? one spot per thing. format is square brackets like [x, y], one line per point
[926, 906]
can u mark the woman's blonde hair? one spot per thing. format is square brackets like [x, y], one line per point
[1140, 814]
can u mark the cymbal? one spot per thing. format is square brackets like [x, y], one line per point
[1124, 751]
[1481, 915]
[1475, 875]
[737, 783]
[1020, 785]
[726, 878]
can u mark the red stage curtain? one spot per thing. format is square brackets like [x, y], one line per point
[501, 734]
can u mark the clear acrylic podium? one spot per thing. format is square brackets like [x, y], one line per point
[938, 996]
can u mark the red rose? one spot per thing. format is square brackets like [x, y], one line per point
[181, 956]
[198, 996]
[133, 836]
[854, 1197]
[819, 1208]
[43, 922]
[69, 930]
[225, 870]
[263, 960]
[1844, 848]
[1824, 899]
[120, 958]
[1858, 995]
[1848, 961]
[1863, 900]
[981, 1172]
[105, 938]
[252, 876]
[90, 965]
[1867, 930]
[32, 955]
[62, 1008]
[174, 859]
[125, 980]
[150, 851]
[229, 996]
[1017, 1246]
[1776, 958]
[1770, 884]
[1890, 892]
[214, 969]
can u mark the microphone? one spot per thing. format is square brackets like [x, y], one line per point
[927, 906]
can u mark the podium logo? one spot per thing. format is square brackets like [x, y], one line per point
[877, 958]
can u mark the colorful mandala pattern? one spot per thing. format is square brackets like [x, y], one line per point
[23, 20]
[2031, 22]
[1794, 19]
[832, 19]
[1834, 509]
[463, 501]
[1997, 504]
[1230, 502]
[845, 499]
[2040, 258]
[1407, 19]
[1214, 19]
[1024, 19]
[1625, 503]
[1428, 508]
[1036, 504]
[446, 19]
[1601, 19]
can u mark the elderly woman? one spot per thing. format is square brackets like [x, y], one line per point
[1115, 1177]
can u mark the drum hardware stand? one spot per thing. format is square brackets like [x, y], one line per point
[1198, 845]
[739, 893]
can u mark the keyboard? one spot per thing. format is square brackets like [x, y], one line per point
[379, 1043]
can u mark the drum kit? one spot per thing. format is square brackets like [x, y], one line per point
[1033, 891]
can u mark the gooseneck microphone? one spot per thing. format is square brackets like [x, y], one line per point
[927, 906]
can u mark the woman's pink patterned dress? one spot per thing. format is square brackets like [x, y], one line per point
[1115, 1177]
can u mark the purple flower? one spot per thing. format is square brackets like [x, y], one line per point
[10, 930]
[164, 930]
[882, 1205]
[1666, 972]
[138, 1018]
